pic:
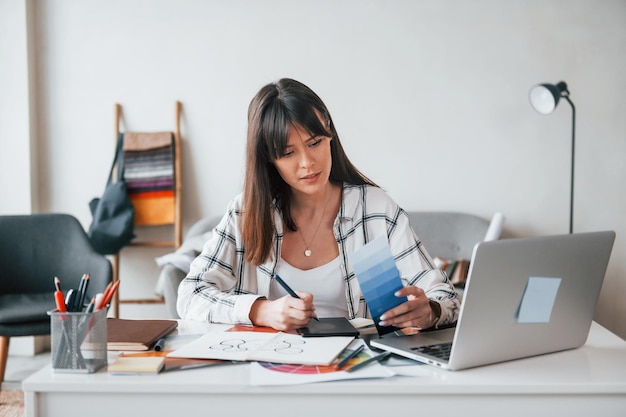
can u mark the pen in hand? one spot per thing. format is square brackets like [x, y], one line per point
[288, 289]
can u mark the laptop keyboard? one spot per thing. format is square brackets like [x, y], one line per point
[441, 350]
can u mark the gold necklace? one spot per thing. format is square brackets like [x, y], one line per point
[307, 250]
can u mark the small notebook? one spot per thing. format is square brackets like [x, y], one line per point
[136, 334]
[173, 364]
[137, 366]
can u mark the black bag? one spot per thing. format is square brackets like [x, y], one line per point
[113, 214]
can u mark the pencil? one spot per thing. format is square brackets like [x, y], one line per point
[350, 356]
[111, 293]
[82, 290]
[57, 284]
[366, 362]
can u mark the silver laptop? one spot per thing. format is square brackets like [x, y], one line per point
[523, 297]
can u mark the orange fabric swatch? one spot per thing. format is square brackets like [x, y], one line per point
[153, 211]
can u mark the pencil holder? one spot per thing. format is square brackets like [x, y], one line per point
[79, 341]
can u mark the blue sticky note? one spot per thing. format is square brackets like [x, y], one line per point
[538, 300]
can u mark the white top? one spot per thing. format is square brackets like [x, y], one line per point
[325, 283]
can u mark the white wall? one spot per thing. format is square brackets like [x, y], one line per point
[17, 172]
[430, 100]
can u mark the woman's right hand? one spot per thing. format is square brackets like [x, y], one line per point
[284, 314]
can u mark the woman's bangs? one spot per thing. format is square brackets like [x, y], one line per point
[311, 122]
[275, 131]
[281, 115]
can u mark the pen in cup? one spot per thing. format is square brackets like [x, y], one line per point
[108, 294]
[91, 305]
[289, 290]
[82, 291]
[58, 296]
[70, 299]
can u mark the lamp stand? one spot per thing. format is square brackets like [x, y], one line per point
[571, 194]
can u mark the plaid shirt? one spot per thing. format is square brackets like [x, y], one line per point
[221, 287]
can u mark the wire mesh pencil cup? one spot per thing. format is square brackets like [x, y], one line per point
[79, 341]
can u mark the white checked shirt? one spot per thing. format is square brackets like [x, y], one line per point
[221, 287]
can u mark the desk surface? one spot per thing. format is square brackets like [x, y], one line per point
[591, 376]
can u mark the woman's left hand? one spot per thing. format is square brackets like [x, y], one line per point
[415, 312]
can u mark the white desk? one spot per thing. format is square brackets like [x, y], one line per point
[591, 379]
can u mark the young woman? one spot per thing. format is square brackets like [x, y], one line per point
[303, 210]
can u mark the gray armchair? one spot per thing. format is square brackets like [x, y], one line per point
[453, 235]
[33, 250]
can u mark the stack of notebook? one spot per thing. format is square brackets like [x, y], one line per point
[136, 334]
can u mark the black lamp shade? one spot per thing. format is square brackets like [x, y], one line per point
[545, 97]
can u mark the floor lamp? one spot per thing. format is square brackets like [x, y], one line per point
[544, 98]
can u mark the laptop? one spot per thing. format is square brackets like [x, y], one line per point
[523, 297]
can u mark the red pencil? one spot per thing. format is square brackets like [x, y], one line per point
[107, 290]
[114, 288]
[108, 294]
[58, 296]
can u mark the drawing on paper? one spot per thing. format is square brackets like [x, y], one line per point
[288, 347]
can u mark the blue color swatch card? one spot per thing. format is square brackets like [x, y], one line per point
[378, 278]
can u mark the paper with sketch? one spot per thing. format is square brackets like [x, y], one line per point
[268, 347]
[266, 373]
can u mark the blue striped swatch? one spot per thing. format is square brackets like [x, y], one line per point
[378, 278]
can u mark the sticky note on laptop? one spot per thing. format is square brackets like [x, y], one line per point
[538, 300]
[379, 279]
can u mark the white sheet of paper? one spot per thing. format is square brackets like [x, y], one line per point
[269, 347]
[538, 300]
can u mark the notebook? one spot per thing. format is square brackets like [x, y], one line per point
[523, 297]
[123, 334]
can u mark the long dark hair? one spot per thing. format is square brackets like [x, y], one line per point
[272, 112]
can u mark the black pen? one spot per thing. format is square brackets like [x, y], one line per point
[366, 362]
[158, 346]
[70, 299]
[288, 289]
[350, 356]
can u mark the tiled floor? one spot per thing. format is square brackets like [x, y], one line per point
[20, 367]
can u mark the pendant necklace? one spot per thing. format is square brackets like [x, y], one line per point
[307, 251]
